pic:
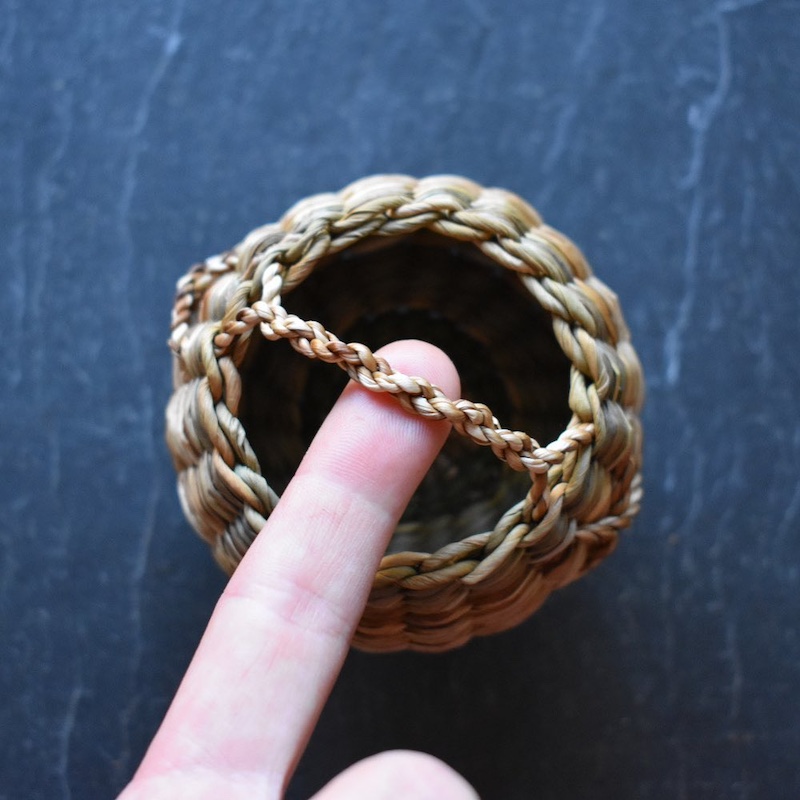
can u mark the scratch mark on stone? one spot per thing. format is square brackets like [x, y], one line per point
[10, 34]
[560, 135]
[682, 778]
[8, 570]
[566, 116]
[666, 592]
[698, 483]
[762, 351]
[138, 571]
[669, 563]
[589, 35]
[65, 735]
[54, 457]
[730, 627]
[701, 117]
[41, 261]
[735, 660]
[130, 173]
[748, 205]
[15, 260]
[732, 652]
[732, 7]
[789, 517]
[172, 42]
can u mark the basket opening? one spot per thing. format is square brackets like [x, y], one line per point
[448, 293]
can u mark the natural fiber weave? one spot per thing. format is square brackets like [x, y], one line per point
[530, 329]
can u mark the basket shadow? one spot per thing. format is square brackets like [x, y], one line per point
[541, 710]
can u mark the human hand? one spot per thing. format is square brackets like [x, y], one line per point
[281, 630]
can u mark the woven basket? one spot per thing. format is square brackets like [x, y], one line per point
[534, 335]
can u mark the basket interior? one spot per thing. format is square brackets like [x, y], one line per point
[446, 292]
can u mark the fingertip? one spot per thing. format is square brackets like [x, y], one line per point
[369, 445]
[423, 359]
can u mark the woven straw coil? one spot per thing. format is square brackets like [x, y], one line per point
[532, 332]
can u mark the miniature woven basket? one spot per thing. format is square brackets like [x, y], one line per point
[536, 338]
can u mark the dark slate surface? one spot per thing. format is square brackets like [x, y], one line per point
[663, 137]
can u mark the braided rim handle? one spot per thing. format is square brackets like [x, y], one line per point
[417, 395]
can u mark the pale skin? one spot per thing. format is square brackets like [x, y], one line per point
[281, 630]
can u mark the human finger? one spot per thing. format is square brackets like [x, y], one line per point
[281, 630]
[398, 775]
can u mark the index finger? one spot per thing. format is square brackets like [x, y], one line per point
[281, 630]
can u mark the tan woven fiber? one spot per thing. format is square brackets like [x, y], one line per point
[532, 332]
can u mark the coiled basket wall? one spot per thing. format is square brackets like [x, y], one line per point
[554, 389]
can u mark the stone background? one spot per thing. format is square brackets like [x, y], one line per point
[136, 138]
